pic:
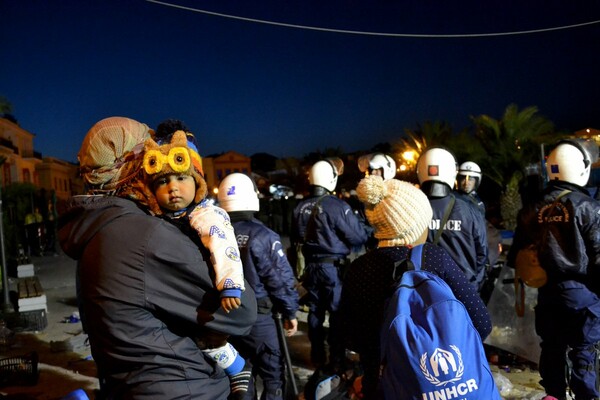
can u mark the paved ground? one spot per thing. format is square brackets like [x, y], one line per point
[63, 371]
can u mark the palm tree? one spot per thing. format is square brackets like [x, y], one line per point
[5, 106]
[406, 152]
[509, 145]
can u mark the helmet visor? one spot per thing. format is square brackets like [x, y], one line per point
[590, 147]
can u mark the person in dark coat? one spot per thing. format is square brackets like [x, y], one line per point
[144, 290]
[328, 231]
[464, 234]
[400, 214]
[269, 273]
[565, 227]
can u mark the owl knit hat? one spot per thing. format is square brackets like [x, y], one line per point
[175, 157]
[397, 210]
[111, 154]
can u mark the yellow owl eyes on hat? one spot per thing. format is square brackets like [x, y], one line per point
[178, 158]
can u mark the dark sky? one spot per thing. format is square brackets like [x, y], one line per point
[253, 87]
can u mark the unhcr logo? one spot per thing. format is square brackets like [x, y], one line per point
[442, 368]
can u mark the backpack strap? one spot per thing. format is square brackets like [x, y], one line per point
[412, 262]
[447, 212]
[416, 255]
[561, 194]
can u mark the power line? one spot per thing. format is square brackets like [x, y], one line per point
[366, 33]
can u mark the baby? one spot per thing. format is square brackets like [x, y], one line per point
[177, 192]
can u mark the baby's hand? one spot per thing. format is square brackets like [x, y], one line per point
[230, 303]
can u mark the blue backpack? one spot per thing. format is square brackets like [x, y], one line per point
[430, 349]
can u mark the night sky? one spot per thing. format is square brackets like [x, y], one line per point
[372, 69]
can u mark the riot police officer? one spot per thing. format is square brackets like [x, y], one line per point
[328, 229]
[468, 180]
[564, 225]
[457, 226]
[268, 272]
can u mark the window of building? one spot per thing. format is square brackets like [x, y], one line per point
[6, 174]
[26, 176]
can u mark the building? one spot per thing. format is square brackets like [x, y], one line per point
[24, 165]
[218, 167]
[19, 161]
[59, 176]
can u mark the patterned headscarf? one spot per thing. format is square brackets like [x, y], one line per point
[111, 154]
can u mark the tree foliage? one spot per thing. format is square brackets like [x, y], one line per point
[436, 133]
[509, 144]
[5, 106]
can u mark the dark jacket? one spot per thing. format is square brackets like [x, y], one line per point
[266, 267]
[368, 283]
[568, 238]
[465, 236]
[333, 231]
[144, 292]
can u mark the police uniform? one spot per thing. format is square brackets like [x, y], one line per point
[269, 273]
[464, 236]
[568, 309]
[330, 234]
[474, 199]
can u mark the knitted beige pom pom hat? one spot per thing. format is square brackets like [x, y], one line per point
[397, 210]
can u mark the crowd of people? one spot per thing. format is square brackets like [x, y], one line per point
[182, 298]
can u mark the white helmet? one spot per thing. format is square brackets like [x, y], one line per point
[325, 173]
[571, 161]
[237, 192]
[437, 164]
[469, 169]
[378, 161]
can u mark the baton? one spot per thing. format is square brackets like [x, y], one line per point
[286, 352]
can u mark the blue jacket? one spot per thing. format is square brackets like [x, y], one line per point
[464, 236]
[335, 230]
[266, 267]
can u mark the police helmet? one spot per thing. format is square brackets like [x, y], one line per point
[237, 192]
[571, 161]
[376, 161]
[469, 169]
[437, 164]
[325, 173]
